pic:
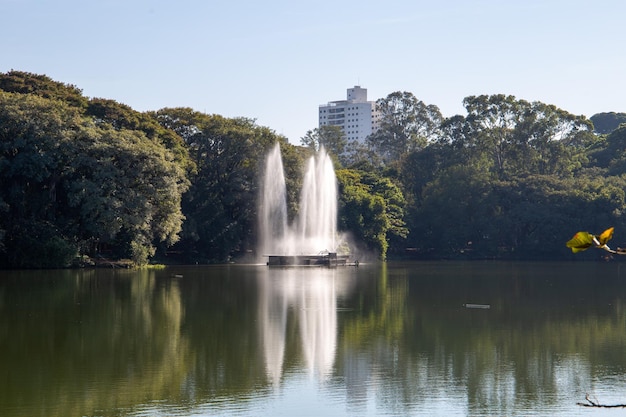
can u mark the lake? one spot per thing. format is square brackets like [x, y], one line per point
[394, 339]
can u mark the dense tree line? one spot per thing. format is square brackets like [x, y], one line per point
[511, 180]
[88, 178]
[72, 182]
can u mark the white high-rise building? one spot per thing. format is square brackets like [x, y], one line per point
[357, 117]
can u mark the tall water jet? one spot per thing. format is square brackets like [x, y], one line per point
[317, 219]
[314, 230]
[273, 205]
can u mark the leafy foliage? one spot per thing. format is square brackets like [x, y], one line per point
[605, 123]
[68, 183]
[584, 240]
[221, 204]
[43, 86]
[372, 208]
[517, 137]
[406, 124]
[93, 176]
[332, 138]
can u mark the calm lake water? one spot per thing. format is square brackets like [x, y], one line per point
[395, 339]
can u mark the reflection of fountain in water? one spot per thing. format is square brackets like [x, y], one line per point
[312, 295]
[318, 324]
[273, 322]
[315, 228]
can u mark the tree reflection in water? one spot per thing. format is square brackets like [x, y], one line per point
[390, 339]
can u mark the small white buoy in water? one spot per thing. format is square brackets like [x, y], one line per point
[483, 306]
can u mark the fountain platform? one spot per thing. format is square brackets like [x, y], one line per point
[330, 259]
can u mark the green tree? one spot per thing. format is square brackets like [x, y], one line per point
[465, 212]
[34, 137]
[611, 152]
[109, 113]
[417, 171]
[221, 204]
[371, 209]
[332, 138]
[126, 191]
[406, 124]
[453, 213]
[534, 210]
[43, 86]
[519, 137]
[68, 183]
[604, 123]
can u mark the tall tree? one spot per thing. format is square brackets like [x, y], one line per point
[371, 209]
[110, 113]
[35, 137]
[519, 137]
[612, 154]
[67, 182]
[406, 124]
[43, 86]
[331, 137]
[221, 204]
[604, 123]
[125, 190]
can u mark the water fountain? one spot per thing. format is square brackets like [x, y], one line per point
[311, 239]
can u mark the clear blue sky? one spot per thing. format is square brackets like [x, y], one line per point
[277, 60]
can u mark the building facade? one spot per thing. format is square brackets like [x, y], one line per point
[357, 117]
